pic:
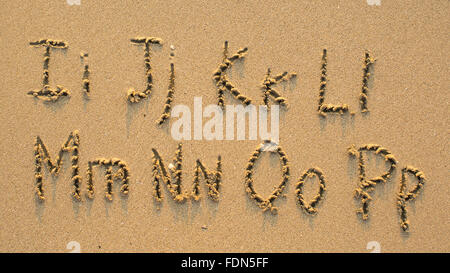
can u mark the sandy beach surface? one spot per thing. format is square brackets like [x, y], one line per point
[408, 103]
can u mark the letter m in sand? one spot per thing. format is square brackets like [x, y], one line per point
[41, 154]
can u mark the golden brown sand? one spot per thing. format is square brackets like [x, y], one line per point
[407, 95]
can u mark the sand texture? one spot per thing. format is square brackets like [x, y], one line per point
[408, 103]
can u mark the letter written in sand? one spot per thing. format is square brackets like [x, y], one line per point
[266, 204]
